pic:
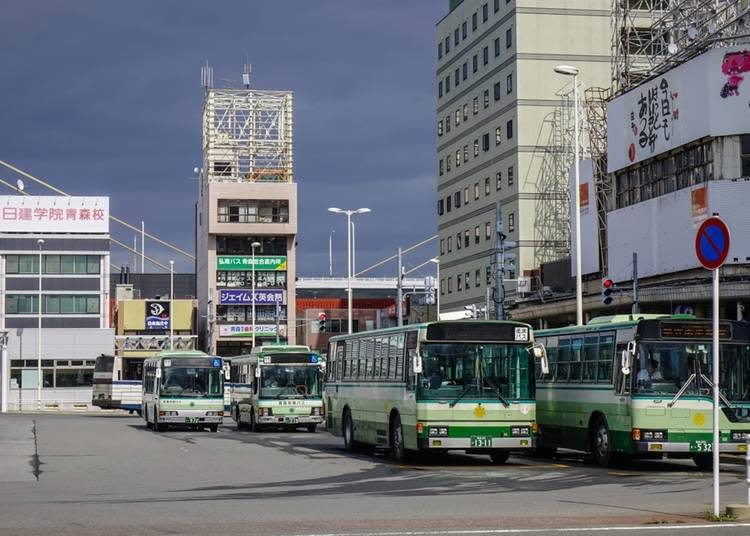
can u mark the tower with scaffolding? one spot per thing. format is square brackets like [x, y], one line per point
[246, 217]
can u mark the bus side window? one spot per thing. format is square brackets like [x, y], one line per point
[340, 357]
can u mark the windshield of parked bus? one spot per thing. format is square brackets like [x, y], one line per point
[187, 382]
[469, 370]
[290, 381]
[664, 367]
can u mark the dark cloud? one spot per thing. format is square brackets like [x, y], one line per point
[104, 98]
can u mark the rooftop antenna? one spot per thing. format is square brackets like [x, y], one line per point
[207, 76]
[247, 69]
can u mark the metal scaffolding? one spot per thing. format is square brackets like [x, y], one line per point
[247, 134]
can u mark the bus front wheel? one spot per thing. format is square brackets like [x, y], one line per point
[253, 423]
[398, 452]
[601, 446]
[500, 457]
[214, 428]
[703, 461]
[311, 428]
[348, 432]
[156, 427]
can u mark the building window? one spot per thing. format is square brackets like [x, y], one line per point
[52, 264]
[440, 207]
[447, 84]
[496, 6]
[486, 186]
[253, 211]
[440, 127]
[448, 204]
[458, 283]
[447, 45]
[440, 50]
[509, 38]
[53, 304]
[466, 280]
[442, 287]
[509, 84]
[458, 117]
[465, 70]
[474, 63]
[466, 238]
[456, 77]
[745, 150]
[486, 98]
[440, 166]
[476, 191]
[476, 234]
[485, 142]
[510, 176]
[474, 22]
[477, 277]
[475, 104]
[448, 123]
[458, 157]
[455, 37]
[242, 245]
[497, 47]
[488, 275]
[476, 148]
[440, 89]
[447, 163]
[497, 91]
[509, 130]
[457, 199]
[485, 13]
[511, 222]
[442, 246]
[463, 30]
[458, 240]
[485, 55]
[498, 136]
[466, 195]
[487, 230]
[466, 112]
[499, 180]
[241, 279]
[466, 153]
[450, 285]
[450, 244]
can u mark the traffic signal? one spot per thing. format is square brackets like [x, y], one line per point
[608, 287]
[322, 322]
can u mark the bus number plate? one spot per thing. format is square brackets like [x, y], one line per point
[480, 442]
[290, 419]
[702, 446]
[192, 419]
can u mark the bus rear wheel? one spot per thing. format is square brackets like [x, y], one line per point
[253, 423]
[311, 428]
[500, 457]
[156, 427]
[348, 432]
[398, 452]
[704, 462]
[601, 445]
[214, 428]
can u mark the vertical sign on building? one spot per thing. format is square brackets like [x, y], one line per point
[157, 315]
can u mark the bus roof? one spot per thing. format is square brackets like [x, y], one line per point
[423, 325]
[181, 353]
[601, 323]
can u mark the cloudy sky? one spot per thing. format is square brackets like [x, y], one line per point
[104, 98]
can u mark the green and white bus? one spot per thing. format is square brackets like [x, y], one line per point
[183, 388]
[451, 385]
[278, 386]
[642, 387]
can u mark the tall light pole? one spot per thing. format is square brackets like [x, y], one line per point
[436, 260]
[253, 246]
[330, 253]
[568, 70]
[349, 214]
[40, 243]
[354, 248]
[171, 305]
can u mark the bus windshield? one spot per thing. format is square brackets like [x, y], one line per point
[459, 371]
[290, 381]
[189, 382]
[664, 367]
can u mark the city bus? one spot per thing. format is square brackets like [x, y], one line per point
[112, 389]
[624, 386]
[183, 388]
[277, 386]
[433, 387]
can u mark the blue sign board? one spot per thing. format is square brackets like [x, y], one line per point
[216, 363]
[232, 296]
[712, 243]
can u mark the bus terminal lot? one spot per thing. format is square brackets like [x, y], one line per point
[108, 474]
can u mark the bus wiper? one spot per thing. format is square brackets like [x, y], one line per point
[721, 395]
[497, 392]
[682, 390]
[461, 395]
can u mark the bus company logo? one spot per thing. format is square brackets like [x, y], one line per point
[699, 419]
[157, 315]
[479, 411]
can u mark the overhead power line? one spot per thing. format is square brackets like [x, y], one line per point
[392, 257]
[113, 218]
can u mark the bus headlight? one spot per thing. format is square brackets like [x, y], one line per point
[520, 431]
[739, 435]
[317, 411]
[265, 412]
[214, 413]
[168, 414]
[437, 431]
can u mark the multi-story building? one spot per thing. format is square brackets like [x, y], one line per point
[70, 236]
[246, 221]
[496, 92]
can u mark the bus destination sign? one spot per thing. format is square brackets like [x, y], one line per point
[693, 330]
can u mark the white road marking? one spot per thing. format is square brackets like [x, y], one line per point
[675, 526]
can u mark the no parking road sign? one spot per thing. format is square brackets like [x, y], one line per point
[712, 243]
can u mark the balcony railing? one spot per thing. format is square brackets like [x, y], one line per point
[153, 343]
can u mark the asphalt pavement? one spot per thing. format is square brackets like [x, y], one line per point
[107, 474]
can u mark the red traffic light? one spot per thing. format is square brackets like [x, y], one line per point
[608, 283]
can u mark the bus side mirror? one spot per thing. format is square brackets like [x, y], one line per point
[257, 372]
[158, 373]
[540, 352]
[625, 362]
[227, 374]
[417, 363]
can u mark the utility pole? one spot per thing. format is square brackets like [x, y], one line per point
[499, 264]
[278, 312]
[400, 289]
[635, 308]
[143, 247]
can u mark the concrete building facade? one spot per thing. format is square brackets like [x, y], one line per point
[496, 91]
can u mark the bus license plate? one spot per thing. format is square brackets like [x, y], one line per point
[480, 441]
[192, 419]
[290, 419]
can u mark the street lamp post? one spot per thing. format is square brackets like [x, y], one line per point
[253, 246]
[436, 260]
[349, 214]
[40, 243]
[171, 305]
[330, 253]
[568, 70]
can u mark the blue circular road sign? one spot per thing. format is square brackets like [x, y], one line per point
[712, 243]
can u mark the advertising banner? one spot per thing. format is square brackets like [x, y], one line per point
[157, 315]
[701, 97]
[54, 214]
[233, 296]
[589, 219]
[245, 262]
[246, 330]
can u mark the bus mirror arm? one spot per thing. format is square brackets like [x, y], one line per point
[540, 352]
[257, 372]
[625, 362]
[417, 364]
[158, 373]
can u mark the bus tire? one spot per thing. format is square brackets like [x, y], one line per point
[253, 424]
[398, 452]
[156, 427]
[214, 428]
[601, 443]
[704, 462]
[348, 431]
[238, 417]
[311, 428]
[148, 423]
[545, 451]
[500, 457]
